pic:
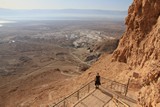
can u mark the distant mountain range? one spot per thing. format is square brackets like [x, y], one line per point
[60, 14]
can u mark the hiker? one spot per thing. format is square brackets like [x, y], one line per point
[97, 81]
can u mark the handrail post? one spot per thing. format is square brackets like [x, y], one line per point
[88, 87]
[78, 95]
[64, 103]
[124, 89]
[111, 85]
[127, 86]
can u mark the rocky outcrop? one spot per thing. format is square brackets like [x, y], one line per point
[140, 43]
[139, 47]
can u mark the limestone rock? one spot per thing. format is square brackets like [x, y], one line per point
[140, 48]
[140, 43]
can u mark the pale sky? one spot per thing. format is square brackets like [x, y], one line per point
[66, 4]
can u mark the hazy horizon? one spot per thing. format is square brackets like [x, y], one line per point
[63, 10]
[69, 4]
[61, 14]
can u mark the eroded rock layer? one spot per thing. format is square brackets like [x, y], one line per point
[140, 48]
[140, 43]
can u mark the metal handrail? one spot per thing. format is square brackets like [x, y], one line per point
[124, 86]
[83, 98]
[123, 103]
[77, 91]
[72, 94]
[113, 81]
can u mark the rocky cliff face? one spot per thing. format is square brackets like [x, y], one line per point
[140, 42]
[140, 48]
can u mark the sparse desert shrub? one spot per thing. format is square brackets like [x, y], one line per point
[57, 69]
[83, 67]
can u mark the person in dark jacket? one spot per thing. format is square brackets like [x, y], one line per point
[97, 81]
